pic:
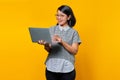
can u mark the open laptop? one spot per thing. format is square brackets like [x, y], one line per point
[40, 34]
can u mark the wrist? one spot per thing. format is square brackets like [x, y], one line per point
[47, 45]
[61, 41]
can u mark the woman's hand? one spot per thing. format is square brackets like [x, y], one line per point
[42, 42]
[73, 48]
[47, 46]
[57, 38]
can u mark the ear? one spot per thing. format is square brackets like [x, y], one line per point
[69, 17]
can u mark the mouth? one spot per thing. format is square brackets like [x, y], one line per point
[59, 21]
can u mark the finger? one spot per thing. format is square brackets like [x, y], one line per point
[38, 41]
[41, 41]
[55, 35]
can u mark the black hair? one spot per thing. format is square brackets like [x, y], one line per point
[68, 11]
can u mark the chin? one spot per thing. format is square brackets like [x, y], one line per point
[61, 24]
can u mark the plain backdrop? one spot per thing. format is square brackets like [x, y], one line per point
[98, 23]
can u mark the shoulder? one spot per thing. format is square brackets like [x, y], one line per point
[52, 27]
[73, 30]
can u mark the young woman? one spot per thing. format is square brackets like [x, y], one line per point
[64, 46]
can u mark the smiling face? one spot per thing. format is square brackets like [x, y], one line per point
[62, 18]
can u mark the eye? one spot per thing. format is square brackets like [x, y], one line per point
[59, 15]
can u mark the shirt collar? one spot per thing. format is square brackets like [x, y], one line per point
[63, 28]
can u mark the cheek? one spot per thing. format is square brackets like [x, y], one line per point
[65, 19]
[57, 18]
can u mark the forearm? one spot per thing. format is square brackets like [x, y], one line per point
[73, 49]
[47, 47]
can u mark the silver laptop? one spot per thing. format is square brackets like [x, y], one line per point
[40, 34]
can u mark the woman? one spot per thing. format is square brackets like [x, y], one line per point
[65, 43]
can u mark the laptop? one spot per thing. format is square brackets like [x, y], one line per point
[39, 34]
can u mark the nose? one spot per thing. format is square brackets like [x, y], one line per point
[58, 18]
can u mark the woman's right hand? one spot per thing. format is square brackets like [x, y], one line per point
[47, 46]
[42, 42]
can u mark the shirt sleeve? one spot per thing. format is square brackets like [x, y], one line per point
[76, 38]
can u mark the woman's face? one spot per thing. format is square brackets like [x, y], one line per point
[62, 18]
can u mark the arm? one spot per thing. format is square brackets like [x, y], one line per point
[73, 49]
[47, 47]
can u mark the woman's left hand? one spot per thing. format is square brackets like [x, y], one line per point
[57, 38]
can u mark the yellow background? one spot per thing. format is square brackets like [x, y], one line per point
[98, 23]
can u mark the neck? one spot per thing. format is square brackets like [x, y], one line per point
[64, 25]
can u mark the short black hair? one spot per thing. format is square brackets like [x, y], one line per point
[68, 11]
